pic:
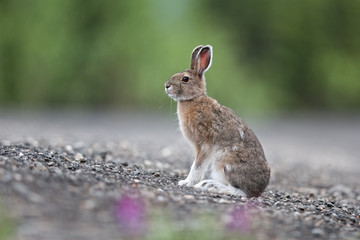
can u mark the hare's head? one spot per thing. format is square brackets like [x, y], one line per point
[189, 84]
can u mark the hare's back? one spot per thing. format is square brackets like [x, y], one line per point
[234, 131]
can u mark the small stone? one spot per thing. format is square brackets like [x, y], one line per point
[110, 180]
[189, 197]
[79, 157]
[69, 148]
[221, 200]
[147, 163]
[317, 232]
[308, 190]
[318, 223]
[79, 145]
[97, 159]
[166, 152]
[344, 204]
[17, 177]
[88, 204]
[73, 166]
[159, 165]
[340, 190]
[329, 204]
[50, 164]
[109, 158]
[57, 171]
[301, 207]
[161, 198]
[353, 219]
[97, 168]
[109, 165]
[124, 145]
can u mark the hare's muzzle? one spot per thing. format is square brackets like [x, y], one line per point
[167, 88]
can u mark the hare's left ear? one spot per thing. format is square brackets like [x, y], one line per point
[203, 60]
[194, 56]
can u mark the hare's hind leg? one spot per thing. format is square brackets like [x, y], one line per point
[219, 182]
[213, 185]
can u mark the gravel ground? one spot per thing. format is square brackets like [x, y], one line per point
[62, 176]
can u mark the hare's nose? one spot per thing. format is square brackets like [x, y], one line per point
[167, 86]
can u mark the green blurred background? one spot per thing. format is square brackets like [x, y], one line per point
[268, 55]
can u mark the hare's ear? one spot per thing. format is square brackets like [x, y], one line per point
[194, 55]
[203, 60]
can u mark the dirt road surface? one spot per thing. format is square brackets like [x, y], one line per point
[68, 175]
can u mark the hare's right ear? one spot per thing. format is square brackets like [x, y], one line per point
[194, 56]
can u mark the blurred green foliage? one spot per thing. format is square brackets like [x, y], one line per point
[7, 226]
[308, 50]
[267, 54]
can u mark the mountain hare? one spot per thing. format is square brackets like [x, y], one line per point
[222, 141]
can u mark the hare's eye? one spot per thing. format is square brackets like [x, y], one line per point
[185, 79]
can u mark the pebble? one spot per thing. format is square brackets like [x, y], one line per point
[166, 152]
[56, 171]
[317, 232]
[189, 197]
[340, 190]
[97, 168]
[79, 157]
[69, 148]
[147, 163]
[17, 177]
[224, 201]
[301, 207]
[329, 204]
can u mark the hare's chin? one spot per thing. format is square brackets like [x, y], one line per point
[177, 98]
[172, 96]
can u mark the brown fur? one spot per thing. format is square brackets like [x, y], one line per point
[215, 129]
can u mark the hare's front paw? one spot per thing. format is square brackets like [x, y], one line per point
[185, 182]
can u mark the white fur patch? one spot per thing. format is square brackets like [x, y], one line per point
[215, 186]
[234, 148]
[217, 174]
[227, 167]
[197, 173]
[217, 181]
[241, 133]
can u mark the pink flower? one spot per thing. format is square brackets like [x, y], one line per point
[239, 220]
[130, 213]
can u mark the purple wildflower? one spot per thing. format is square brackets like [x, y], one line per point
[239, 220]
[130, 215]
